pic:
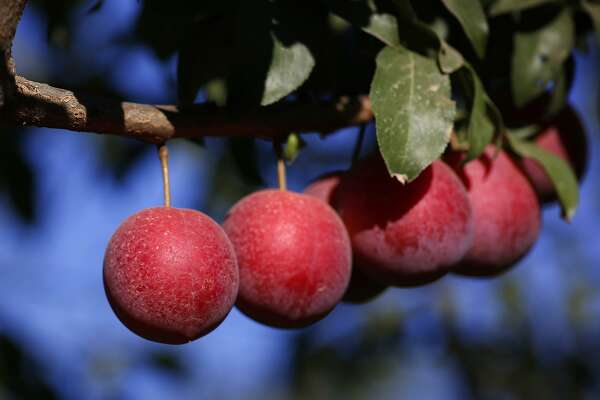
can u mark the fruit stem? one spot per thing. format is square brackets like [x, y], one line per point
[281, 174]
[359, 141]
[280, 165]
[163, 155]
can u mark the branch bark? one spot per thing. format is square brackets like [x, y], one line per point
[39, 104]
[10, 14]
[24, 102]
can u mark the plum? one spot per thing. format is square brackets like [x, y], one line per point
[361, 288]
[405, 234]
[294, 257]
[506, 212]
[170, 274]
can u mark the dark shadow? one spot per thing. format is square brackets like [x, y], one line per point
[20, 376]
[361, 288]
[456, 161]
[17, 176]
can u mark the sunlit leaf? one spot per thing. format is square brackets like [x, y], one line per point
[384, 27]
[413, 111]
[271, 60]
[290, 67]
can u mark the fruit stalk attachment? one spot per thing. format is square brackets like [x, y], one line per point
[281, 180]
[163, 155]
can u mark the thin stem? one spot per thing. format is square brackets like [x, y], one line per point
[281, 174]
[163, 155]
[359, 141]
[280, 164]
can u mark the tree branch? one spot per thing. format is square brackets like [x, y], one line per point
[42, 105]
[10, 14]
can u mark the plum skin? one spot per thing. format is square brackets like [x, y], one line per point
[405, 234]
[565, 137]
[361, 288]
[325, 187]
[506, 212]
[562, 134]
[294, 257]
[170, 274]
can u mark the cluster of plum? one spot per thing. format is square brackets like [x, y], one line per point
[286, 259]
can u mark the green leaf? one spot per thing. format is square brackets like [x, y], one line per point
[525, 132]
[505, 6]
[593, 10]
[364, 14]
[290, 67]
[271, 58]
[419, 36]
[449, 59]
[480, 126]
[538, 56]
[557, 169]
[472, 19]
[384, 27]
[560, 91]
[413, 111]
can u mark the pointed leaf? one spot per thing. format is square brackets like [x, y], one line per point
[505, 6]
[449, 59]
[384, 27]
[290, 67]
[387, 28]
[483, 119]
[525, 132]
[271, 58]
[538, 56]
[557, 169]
[480, 127]
[472, 19]
[364, 14]
[413, 111]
